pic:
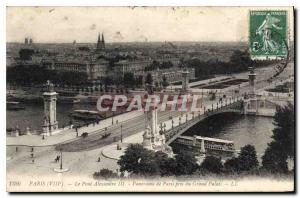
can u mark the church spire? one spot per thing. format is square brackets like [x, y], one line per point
[103, 42]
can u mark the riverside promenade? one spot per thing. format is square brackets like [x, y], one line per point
[70, 134]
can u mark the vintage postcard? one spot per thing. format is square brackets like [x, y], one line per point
[150, 99]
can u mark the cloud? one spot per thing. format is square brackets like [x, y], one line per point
[93, 27]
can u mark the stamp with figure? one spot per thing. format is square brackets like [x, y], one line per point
[268, 33]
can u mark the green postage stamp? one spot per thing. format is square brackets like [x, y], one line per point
[268, 34]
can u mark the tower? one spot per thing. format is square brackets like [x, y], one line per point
[100, 43]
[50, 122]
[26, 41]
[185, 80]
[251, 102]
[252, 77]
[103, 42]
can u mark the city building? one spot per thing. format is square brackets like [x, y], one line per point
[94, 69]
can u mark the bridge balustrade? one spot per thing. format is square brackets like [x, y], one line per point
[234, 104]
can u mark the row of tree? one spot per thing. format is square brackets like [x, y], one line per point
[142, 162]
[35, 74]
[239, 61]
[157, 65]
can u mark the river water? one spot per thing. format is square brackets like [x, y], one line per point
[238, 128]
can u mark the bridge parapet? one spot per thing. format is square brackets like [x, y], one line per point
[234, 106]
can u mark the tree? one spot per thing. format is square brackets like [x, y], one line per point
[282, 146]
[149, 79]
[164, 81]
[213, 96]
[186, 164]
[284, 131]
[26, 54]
[105, 173]
[232, 165]
[241, 59]
[149, 83]
[166, 165]
[129, 80]
[274, 160]
[138, 160]
[212, 164]
[247, 159]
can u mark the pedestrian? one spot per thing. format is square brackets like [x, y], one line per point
[32, 149]
[16, 149]
[99, 160]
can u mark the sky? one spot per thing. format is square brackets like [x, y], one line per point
[129, 24]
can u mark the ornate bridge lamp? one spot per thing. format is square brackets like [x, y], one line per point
[212, 107]
[186, 117]
[121, 133]
[112, 118]
[179, 120]
[165, 127]
[172, 123]
[61, 169]
[76, 128]
[161, 128]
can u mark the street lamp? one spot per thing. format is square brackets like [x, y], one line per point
[61, 159]
[121, 133]
[161, 127]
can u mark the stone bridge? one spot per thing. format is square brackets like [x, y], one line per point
[230, 106]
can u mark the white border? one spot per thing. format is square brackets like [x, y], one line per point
[5, 3]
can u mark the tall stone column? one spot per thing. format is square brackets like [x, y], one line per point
[50, 122]
[252, 77]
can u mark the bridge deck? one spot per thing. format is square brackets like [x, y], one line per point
[172, 134]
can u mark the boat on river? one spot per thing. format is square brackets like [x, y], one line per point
[14, 106]
[86, 115]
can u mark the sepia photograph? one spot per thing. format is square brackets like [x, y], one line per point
[150, 99]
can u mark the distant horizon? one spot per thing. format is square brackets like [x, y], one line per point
[130, 42]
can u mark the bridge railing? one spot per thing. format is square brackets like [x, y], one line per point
[231, 103]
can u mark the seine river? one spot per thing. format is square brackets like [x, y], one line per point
[238, 128]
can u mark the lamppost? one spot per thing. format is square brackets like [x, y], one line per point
[179, 120]
[186, 117]
[61, 159]
[121, 133]
[172, 123]
[201, 98]
[161, 127]
[165, 127]
[112, 118]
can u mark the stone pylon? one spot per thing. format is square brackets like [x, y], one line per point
[50, 122]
